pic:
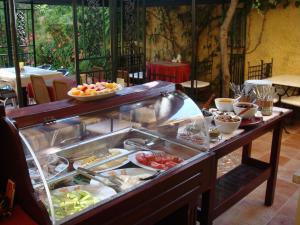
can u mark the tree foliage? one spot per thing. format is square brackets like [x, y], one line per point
[54, 36]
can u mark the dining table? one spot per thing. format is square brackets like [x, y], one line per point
[168, 71]
[287, 88]
[8, 77]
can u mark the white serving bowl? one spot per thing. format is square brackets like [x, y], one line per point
[224, 104]
[238, 107]
[227, 127]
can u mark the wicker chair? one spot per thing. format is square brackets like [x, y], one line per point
[40, 90]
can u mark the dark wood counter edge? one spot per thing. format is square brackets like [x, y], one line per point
[36, 114]
[248, 135]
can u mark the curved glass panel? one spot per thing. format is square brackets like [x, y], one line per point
[84, 161]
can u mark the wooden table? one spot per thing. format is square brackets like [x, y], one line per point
[289, 85]
[8, 76]
[286, 80]
[168, 71]
[230, 188]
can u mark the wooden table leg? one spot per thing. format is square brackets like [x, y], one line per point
[274, 160]
[206, 215]
[246, 152]
[24, 95]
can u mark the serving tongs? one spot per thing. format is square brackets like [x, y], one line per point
[115, 181]
[143, 147]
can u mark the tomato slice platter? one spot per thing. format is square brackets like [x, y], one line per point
[154, 161]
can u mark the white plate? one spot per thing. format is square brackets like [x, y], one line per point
[99, 192]
[132, 158]
[95, 97]
[130, 176]
[122, 151]
[129, 172]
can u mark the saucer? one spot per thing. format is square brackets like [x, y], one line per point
[251, 121]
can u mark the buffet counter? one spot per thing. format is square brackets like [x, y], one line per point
[128, 155]
[170, 146]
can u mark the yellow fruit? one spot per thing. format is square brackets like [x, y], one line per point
[109, 85]
[75, 92]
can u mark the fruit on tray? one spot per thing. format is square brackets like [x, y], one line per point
[94, 89]
[161, 161]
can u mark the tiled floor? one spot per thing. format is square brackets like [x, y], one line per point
[251, 210]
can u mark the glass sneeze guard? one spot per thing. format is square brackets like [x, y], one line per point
[168, 126]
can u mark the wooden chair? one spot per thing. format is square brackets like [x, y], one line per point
[61, 88]
[260, 71]
[7, 94]
[97, 74]
[40, 90]
[124, 76]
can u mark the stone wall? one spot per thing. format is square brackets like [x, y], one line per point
[280, 39]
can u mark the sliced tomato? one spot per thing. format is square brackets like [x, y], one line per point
[159, 159]
[149, 157]
[170, 164]
[158, 166]
[177, 159]
[140, 157]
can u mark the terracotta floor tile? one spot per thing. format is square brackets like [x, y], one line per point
[251, 210]
[282, 220]
[282, 159]
[286, 172]
[290, 152]
[286, 215]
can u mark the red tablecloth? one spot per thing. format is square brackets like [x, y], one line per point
[17, 218]
[168, 71]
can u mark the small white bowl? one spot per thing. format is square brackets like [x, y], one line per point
[224, 104]
[248, 114]
[227, 127]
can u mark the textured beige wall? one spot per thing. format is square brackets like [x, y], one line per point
[280, 39]
[163, 47]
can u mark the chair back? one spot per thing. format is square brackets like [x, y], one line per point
[40, 90]
[61, 88]
[97, 74]
[260, 71]
[123, 74]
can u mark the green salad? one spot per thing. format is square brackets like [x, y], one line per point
[68, 203]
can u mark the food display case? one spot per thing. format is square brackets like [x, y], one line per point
[147, 158]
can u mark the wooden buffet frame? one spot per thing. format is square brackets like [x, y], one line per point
[169, 199]
[172, 199]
